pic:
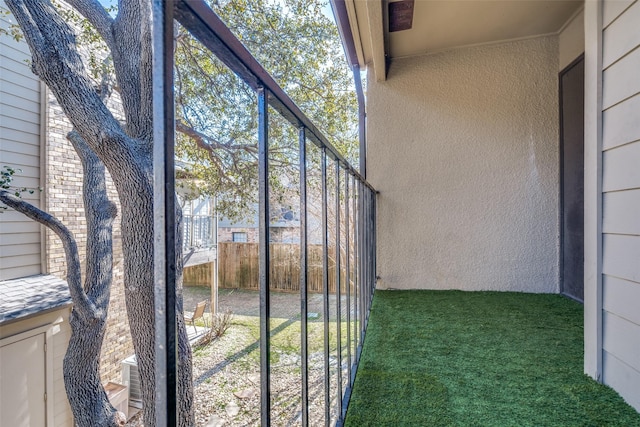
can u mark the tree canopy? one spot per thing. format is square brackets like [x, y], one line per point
[300, 47]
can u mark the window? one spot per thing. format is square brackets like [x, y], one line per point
[239, 237]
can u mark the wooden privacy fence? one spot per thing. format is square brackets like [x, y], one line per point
[238, 267]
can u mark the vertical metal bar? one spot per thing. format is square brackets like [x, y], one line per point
[338, 290]
[263, 198]
[356, 274]
[366, 248]
[192, 227]
[362, 121]
[214, 292]
[164, 216]
[356, 268]
[347, 233]
[365, 255]
[373, 243]
[365, 251]
[360, 261]
[304, 256]
[369, 246]
[325, 290]
[372, 271]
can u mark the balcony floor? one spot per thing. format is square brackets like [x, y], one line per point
[451, 358]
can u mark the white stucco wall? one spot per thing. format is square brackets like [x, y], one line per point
[463, 147]
[571, 40]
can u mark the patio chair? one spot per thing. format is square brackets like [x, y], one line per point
[198, 313]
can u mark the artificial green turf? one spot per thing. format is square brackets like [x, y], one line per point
[451, 358]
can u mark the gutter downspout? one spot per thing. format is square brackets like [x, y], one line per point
[341, 17]
[362, 120]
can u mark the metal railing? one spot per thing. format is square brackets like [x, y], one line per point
[353, 230]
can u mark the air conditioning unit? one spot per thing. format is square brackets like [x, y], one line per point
[131, 379]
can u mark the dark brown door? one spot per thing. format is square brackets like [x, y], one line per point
[572, 179]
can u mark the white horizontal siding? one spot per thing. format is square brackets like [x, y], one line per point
[612, 9]
[620, 256]
[21, 100]
[622, 339]
[621, 213]
[20, 159]
[28, 261]
[621, 297]
[621, 198]
[622, 36]
[13, 78]
[620, 81]
[620, 124]
[14, 52]
[19, 250]
[19, 111]
[621, 377]
[11, 90]
[27, 149]
[20, 149]
[28, 267]
[21, 125]
[11, 136]
[21, 238]
[18, 227]
[26, 176]
[620, 169]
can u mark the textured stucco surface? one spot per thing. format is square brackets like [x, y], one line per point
[463, 147]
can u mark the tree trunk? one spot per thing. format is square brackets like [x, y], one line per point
[84, 389]
[126, 151]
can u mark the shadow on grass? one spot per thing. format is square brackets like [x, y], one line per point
[240, 354]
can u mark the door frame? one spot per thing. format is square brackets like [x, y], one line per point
[561, 200]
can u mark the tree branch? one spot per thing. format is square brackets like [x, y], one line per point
[83, 305]
[95, 13]
[56, 61]
[100, 214]
[132, 61]
[208, 143]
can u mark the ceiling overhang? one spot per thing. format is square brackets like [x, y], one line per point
[441, 25]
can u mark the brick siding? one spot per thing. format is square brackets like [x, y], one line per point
[63, 199]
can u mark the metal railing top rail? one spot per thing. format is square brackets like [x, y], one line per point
[198, 18]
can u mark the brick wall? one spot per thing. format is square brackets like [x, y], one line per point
[225, 234]
[63, 199]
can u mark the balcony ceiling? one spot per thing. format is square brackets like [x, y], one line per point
[440, 25]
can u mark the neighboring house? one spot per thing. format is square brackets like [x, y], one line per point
[479, 162]
[34, 307]
[200, 244]
[283, 228]
[244, 230]
[198, 218]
